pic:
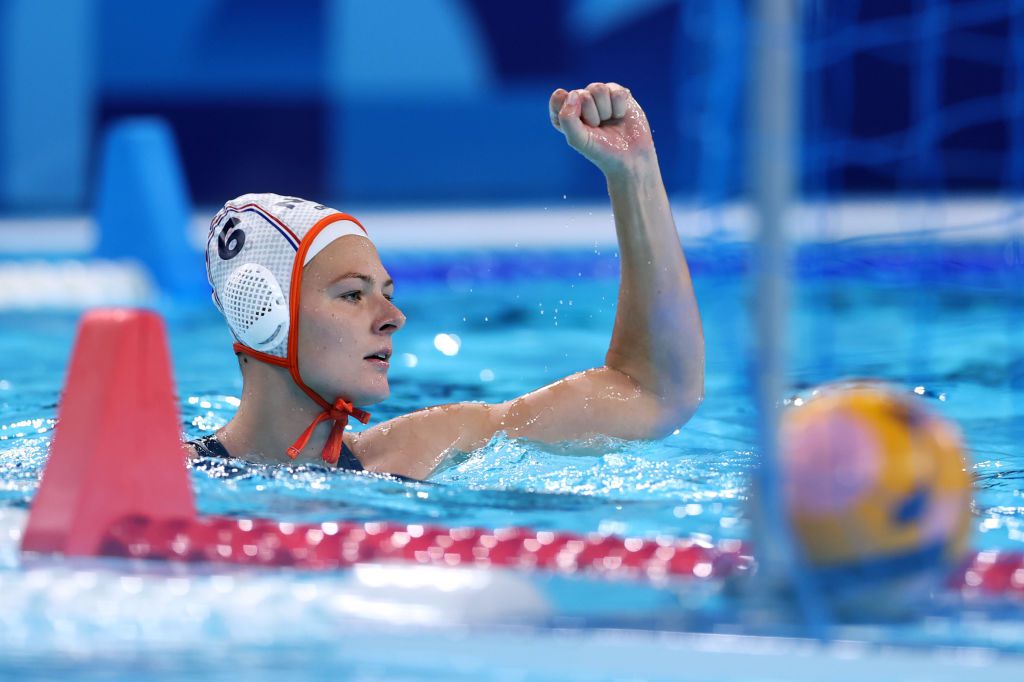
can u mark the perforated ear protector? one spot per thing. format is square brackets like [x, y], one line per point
[255, 307]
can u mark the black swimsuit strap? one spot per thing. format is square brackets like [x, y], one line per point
[209, 446]
[348, 459]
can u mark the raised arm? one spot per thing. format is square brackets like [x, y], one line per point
[653, 377]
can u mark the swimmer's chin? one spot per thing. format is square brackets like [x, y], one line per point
[370, 398]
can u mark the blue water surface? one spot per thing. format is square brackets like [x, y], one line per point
[940, 319]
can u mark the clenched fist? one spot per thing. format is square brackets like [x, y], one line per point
[605, 124]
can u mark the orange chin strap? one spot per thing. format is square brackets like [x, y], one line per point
[341, 409]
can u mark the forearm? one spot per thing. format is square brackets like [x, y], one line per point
[657, 339]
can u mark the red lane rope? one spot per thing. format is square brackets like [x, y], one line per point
[990, 573]
[327, 546]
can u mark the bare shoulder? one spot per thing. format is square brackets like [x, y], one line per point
[415, 444]
[598, 402]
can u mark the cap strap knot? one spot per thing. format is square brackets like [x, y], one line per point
[339, 413]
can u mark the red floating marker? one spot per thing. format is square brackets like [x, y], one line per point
[117, 447]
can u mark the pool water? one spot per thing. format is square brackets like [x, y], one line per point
[939, 319]
[949, 328]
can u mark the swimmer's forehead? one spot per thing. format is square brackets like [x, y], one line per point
[350, 257]
[368, 279]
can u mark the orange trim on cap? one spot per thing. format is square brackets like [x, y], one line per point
[340, 410]
[293, 301]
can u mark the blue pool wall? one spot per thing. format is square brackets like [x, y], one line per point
[443, 101]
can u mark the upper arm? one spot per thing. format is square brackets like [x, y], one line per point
[598, 402]
[416, 443]
[601, 401]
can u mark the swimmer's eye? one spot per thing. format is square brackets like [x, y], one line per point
[358, 296]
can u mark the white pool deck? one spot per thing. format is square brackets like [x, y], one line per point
[573, 224]
[47, 263]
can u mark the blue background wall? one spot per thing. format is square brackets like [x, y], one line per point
[444, 100]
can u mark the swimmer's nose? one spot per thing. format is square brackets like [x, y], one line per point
[392, 320]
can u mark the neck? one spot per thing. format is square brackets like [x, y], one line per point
[272, 413]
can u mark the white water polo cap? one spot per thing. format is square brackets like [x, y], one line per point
[251, 261]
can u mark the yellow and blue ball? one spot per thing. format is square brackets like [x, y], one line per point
[875, 486]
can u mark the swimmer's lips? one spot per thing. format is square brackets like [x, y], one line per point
[380, 358]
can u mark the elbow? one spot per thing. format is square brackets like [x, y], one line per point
[679, 398]
[664, 408]
[675, 410]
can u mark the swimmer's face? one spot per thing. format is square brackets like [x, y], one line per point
[346, 315]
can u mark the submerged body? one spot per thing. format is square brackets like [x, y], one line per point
[343, 320]
[211, 447]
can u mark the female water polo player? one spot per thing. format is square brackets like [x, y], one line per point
[309, 304]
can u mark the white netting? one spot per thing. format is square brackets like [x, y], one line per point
[255, 307]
